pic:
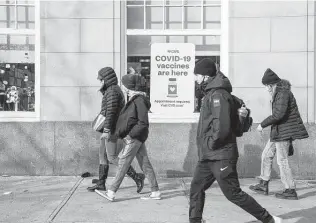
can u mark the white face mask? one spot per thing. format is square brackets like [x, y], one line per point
[270, 89]
[125, 90]
[102, 82]
[131, 70]
[198, 78]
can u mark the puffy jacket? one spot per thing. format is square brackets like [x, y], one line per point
[133, 120]
[112, 101]
[215, 137]
[286, 122]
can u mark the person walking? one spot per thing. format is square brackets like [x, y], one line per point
[133, 128]
[112, 103]
[286, 126]
[217, 147]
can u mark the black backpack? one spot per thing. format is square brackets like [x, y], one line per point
[240, 124]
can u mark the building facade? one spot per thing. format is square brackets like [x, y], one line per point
[50, 52]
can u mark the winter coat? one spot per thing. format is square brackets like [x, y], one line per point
[112, 101]
[286, 122]
[133, 119]
[215, 137]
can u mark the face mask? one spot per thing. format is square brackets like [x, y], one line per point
[269, 89]
[199, 78]
[102, 82]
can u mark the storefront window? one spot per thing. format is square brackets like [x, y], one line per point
[172, 21]
[18, 58]
[138, 48]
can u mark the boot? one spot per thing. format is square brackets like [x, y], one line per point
[95, 181]
[137, 177]
[288, 194]
[261, 188]
[103, 174]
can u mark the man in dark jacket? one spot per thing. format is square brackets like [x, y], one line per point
[286, 126]
[112, 103]
[133, 127]
[217, 147]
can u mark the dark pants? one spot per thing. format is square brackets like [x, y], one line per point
[225, 172]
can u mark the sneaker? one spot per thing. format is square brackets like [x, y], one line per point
[109, 195]
[277, 219]
[288, 194]
[153, 196]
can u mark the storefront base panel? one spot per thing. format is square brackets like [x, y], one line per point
[71, 148]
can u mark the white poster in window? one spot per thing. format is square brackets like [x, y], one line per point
[172, 78]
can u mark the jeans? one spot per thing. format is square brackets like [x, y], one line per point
[281, 149]
[108, 152]
[225, 172]
[131, 149]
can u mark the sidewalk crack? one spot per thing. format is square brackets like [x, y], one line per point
[57, 210]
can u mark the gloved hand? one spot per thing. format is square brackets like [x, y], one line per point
[106, 134]
[128, 139]
[291, 149]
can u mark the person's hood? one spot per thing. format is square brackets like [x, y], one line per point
[284, 85]
[220, 81]
[137, 94]
[109, 76]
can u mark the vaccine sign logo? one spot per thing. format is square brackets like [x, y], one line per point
[172, 78]
[172, 88]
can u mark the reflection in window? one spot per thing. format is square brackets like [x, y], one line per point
[17, 86]
[17, 73]
[17, 55]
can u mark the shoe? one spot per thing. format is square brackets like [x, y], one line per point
[262, 187]
[103, 174]
[139, 178]
[99, 186]
[140, 181]
[276, 219]
[109, 195]
[153, 196]
[95, 181]
[288, 194]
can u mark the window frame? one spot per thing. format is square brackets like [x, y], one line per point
[23, 116]
[223, 32]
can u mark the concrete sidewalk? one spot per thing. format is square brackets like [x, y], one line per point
[65, 199]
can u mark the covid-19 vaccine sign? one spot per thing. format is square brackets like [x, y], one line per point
[172, 78]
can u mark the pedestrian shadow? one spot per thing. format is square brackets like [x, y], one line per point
[126, 199]
[191, 157]
[308, 194]
[305, 215]
[304, 188]
[172, 194]
[177, 174]
[249, 164]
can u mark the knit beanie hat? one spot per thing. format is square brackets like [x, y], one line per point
[270, 77]
[104, 72]
[205, 67]
[133, 82]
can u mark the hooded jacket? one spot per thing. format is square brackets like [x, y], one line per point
[112, 101]
[286, 122]
[133, 119]
[215, 137]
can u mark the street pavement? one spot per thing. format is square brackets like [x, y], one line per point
[65, 199]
